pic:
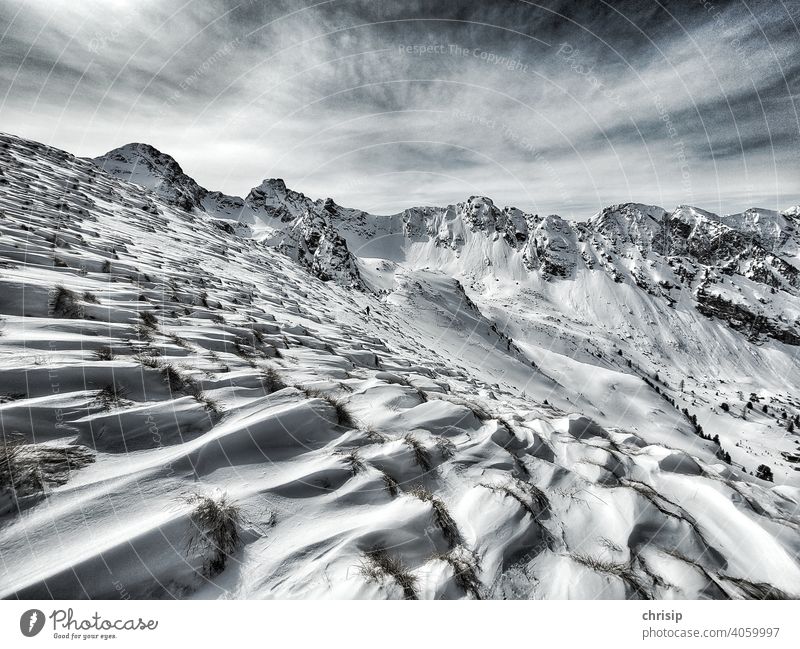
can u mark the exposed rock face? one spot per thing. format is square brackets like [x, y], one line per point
[743, 318]
[641, 226]
[316, 244]
[554, 241]
[743, 269]
[272, 197]
[160, 173]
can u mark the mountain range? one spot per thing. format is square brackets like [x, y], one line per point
[277, 396]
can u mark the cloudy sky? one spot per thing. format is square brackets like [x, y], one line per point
[552, 106]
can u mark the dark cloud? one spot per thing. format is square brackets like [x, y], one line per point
[555, 106]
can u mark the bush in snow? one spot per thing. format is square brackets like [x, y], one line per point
[214, 534]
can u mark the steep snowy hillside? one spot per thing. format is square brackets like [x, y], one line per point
[208, 396]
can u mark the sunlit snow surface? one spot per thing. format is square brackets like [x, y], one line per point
[504, 442]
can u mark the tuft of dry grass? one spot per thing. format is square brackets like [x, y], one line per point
[465, 570]
[180, 341]
[26, 469]
[149, 319]
[149, 359]
[215, 531]
[177, 381]
[374, 436]
[111, 396]
[441, 515]
[530, 497]
[355, 463]
[344, 417]
[17, 477]
[421, 454]
[257, 336]
[445, 447]
[621, 570]
[7, 397]
[243, 350]
[198, 394]
[379, 565]
[757, 590]
[271, 380]
[104, 353]
[391, 484]
[142, 332]
[65, 303]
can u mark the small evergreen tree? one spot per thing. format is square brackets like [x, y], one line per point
[764, 472]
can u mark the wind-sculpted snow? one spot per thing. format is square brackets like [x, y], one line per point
[287, 398]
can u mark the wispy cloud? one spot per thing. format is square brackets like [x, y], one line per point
[557, 107]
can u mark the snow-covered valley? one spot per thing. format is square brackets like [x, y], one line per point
[210, 396]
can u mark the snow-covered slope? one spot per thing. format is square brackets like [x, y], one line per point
[281, 397]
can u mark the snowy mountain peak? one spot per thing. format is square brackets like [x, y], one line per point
[158, 172]
[275, 184]
[138, 158]
[792, 212]
[276, 201]
[631, 222]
